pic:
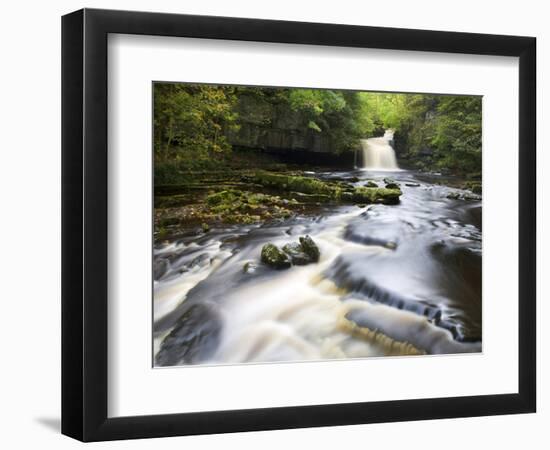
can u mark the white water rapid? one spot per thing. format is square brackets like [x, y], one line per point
[391, 280]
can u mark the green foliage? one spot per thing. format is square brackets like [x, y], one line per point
[442, 132]
[196, 125]
[383, 110]
[190, 121]
[456, 133]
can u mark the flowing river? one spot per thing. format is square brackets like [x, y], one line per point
[392, 280]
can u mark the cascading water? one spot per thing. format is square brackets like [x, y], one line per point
[391, 280]
[378, 154]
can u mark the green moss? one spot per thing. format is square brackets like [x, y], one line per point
[234, 206]
[310, 248]
[162, 233]
[307, 185]
[304, 252]
[223, 197]
[376, 195]
[241, 218]
[338, 191]
[474, 186]
[275, 257]
[295, 252]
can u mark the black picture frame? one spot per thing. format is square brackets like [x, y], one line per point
[84, 224]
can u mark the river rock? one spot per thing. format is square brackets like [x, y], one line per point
[297, 255]
[392, 186]
[200, 261]
[412, 184]
[471, 197]
[249, 267]
[347, 196]
[453, 195]
[193, 339]
[389, 180]
[371, 183]
[160, 267]
[310, 248]
[274, 257]
[474, 186]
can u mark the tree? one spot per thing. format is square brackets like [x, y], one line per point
[191, 120]
[456, 134]
[196, 122]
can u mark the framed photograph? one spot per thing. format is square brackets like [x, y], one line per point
[273, 224]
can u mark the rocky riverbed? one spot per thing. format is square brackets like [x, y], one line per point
[282, 266]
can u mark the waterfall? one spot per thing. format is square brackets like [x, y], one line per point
[378, 153]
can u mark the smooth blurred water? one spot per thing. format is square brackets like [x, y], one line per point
[392, 280]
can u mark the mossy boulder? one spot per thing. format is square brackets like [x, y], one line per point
[472, 198]
[474, 186]
[297, 253]
[334, 191]
[453, 195]
[160, 267]
[371, 184]
[274, 257]
[465, 196]
[296, 183]
[377, 195]
[309, 247]
[297, 256]
[391, 183]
